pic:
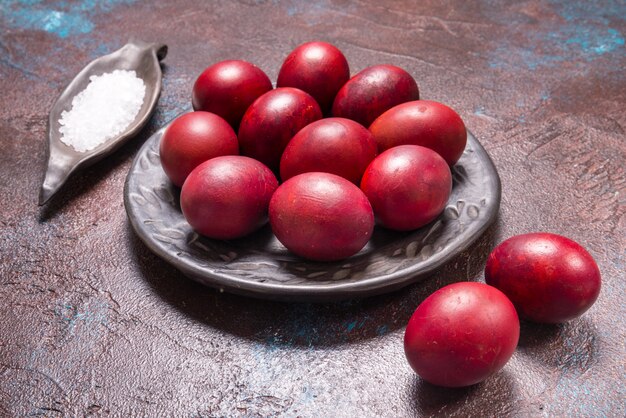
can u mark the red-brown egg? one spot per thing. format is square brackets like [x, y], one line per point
[321, 216]
[332, 145]
[228, 197]
[408, 186]
[372, 91]
[272, 120]
[193, 138]
[548, 277]
[461, 334]
[318, 68]
[228, 88]
[422, 122]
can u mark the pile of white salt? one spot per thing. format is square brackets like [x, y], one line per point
[107, 106]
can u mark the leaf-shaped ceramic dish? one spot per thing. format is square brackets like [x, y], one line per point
[258, 265]
[63, 160]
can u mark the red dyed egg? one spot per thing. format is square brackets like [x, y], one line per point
[429, 124]
[272, 120]
[193, 138]
[318, 68]
[333, 145]
[461, 334]
[227, 197]
[228, 88]
[408, 186]
[549, 278]
[321, 216]
[374, 90]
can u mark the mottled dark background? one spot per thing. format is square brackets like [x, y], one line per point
[91, 322]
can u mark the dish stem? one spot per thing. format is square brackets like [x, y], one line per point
[159, 49]
[59, 169]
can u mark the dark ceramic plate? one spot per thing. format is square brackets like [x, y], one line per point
[258, 265]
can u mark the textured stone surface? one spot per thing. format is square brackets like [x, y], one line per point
[91, 322]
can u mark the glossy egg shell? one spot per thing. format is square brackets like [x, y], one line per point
[193, 138]
[548, 277]
[408, 186]
[321, 216]
[272, 120]
[228, 197]
[373, 91]
[332, 145]
[228, 88]
[422, 122]
[461, 334]
[318, 68]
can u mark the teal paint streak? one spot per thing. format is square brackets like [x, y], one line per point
[356, 324]
[480, 111]
[350, 326]
[588, 26]
[585, 31]
[29, 2]
[60, 23]
[506, 56]
[571, 43]
[93, 313]
[61, 18]
[600, 10]
[597, 43]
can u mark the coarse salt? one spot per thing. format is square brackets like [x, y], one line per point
[107, 106]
